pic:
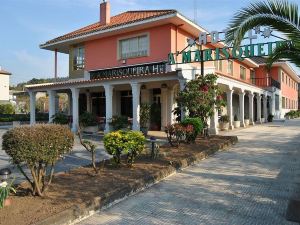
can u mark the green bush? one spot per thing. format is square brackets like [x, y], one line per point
[38, 148]
[7, 109]
[224, 119]
[119, 122]
[197, 126]
[87, 119]
[23, 117]
[60, 118]
[124, 142]
[145, 114]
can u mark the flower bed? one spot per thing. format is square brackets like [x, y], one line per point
[80, 191]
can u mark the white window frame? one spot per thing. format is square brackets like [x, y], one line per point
[230, 73]
[119, 53]
[75, 65]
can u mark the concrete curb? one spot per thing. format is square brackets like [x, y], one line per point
[79, 212]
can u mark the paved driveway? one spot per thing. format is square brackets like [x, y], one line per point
[249, 184]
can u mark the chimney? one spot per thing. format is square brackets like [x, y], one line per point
[104, 13]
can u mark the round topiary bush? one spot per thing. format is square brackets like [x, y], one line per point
[124, 142]
[38, 147]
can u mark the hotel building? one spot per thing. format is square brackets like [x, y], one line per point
[120, 62]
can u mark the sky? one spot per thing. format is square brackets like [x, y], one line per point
[25, 24]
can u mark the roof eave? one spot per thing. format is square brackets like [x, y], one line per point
[81, 38]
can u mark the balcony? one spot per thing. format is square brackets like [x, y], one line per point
[265, 82]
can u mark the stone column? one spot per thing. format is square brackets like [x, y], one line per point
[273, 100]
[88, 102]
[182, 83]
[109, 107]
[69, 103]
[258, 97]
[75, 108]
[52, 104]
[32, 96]
[242, 108]
[213, 128]
[136, 89]
[164, 107]
[229, 108]
[265, 98]
[251, 109]
[170, 106]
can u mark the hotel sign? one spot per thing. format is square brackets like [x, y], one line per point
[212, 54]
[144, 69]
[240, 53]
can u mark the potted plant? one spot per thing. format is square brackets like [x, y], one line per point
[270, 118]
[5, 190]
[89, 122]
[145, 117]
[119, 123]
[246, 121]
[236, 122]
[224, 122]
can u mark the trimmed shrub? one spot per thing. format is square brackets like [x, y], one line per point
[119, 122]
[124, 142]
[38, 147]
[60, 118]
[175, 133]
[7, 109]
[197, 127]
[87, 119]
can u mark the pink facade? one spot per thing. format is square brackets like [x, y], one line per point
[103, 53]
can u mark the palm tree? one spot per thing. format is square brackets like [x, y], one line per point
[279, 15]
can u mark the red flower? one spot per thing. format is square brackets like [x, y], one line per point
[204, 88]
[219, 97]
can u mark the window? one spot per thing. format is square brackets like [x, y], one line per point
[252, 76]
[282, 75]
[283, 102]
[218, 65]
[242, 73]
[134, 47]
[78, 58]
[230, 67]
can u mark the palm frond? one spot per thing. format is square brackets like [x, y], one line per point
[280, 15]
[287, 50]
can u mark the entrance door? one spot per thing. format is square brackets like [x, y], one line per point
[98, 104]
[155, 116]
[126, 103]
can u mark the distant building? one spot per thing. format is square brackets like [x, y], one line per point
[4, 85]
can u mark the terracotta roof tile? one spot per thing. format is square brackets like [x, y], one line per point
[118, 20]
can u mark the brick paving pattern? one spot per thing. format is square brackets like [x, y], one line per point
[249, 184]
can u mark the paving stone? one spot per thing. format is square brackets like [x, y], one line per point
[249, 184]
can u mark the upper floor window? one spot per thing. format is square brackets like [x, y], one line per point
[218, 65]
[134, 47]
[252, 76]
[230, 67]
[78, 58]
[282, 75]
[242, 73]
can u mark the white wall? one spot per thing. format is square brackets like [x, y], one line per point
[4, 87]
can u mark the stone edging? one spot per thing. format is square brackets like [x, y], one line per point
[78, 213]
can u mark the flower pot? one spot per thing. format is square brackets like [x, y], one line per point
[7, 202]
[144, 130]
[236, 124]
[223, 126]
[247, 122]
[91, 129]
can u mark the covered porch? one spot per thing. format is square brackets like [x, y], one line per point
[107, 98]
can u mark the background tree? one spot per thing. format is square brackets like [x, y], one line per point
[200, 96]
[280, 15]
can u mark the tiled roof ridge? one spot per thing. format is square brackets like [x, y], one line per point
[94, 27]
